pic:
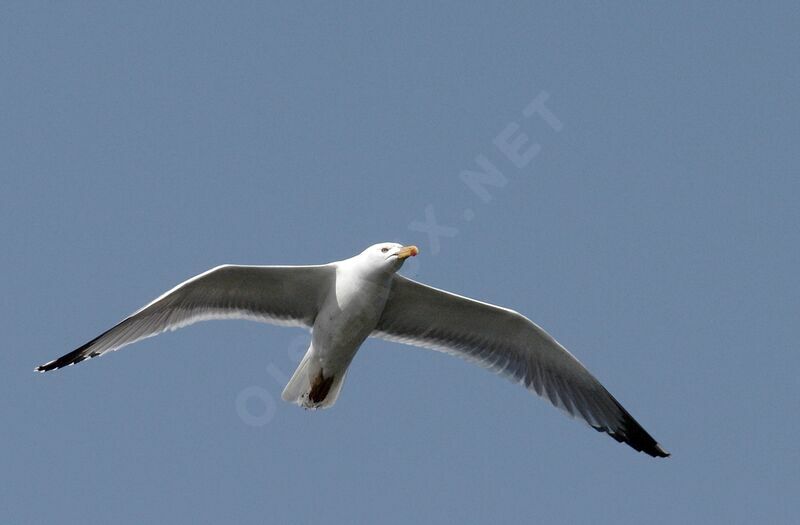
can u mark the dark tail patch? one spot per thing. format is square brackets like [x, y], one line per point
[320, 388]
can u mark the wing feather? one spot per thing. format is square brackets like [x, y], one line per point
[510, 344]
[285, 295]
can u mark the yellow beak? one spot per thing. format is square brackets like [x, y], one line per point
[407, 251]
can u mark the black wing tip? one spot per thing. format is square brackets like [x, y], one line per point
[660, 452]
[638, 438]
[656, 451]
[651, 448]
[72, 358]
[632, 434]
[640, 442]
[66, 360]
[635, 436]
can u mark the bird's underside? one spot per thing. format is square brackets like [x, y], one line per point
[412, 313]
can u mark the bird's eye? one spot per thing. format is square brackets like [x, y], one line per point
[384, 250]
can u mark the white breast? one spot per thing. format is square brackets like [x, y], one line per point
[349, 314]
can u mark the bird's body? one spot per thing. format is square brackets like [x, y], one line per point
[345, 302]
[348, 316]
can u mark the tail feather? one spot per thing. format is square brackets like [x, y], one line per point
[320, 388]
[311, 387]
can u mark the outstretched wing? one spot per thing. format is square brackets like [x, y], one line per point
[285, 295]
[509, 344]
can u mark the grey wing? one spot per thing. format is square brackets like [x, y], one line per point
[285, 295]
[510, 344]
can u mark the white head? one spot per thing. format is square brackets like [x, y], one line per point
[387, 256]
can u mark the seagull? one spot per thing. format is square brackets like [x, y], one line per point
[345, 302]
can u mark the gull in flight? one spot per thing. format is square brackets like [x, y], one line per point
[345, 302]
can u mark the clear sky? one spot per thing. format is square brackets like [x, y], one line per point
[648, 220]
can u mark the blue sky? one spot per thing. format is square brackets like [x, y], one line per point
[655, 234]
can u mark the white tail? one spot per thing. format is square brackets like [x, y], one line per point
[309, 387]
